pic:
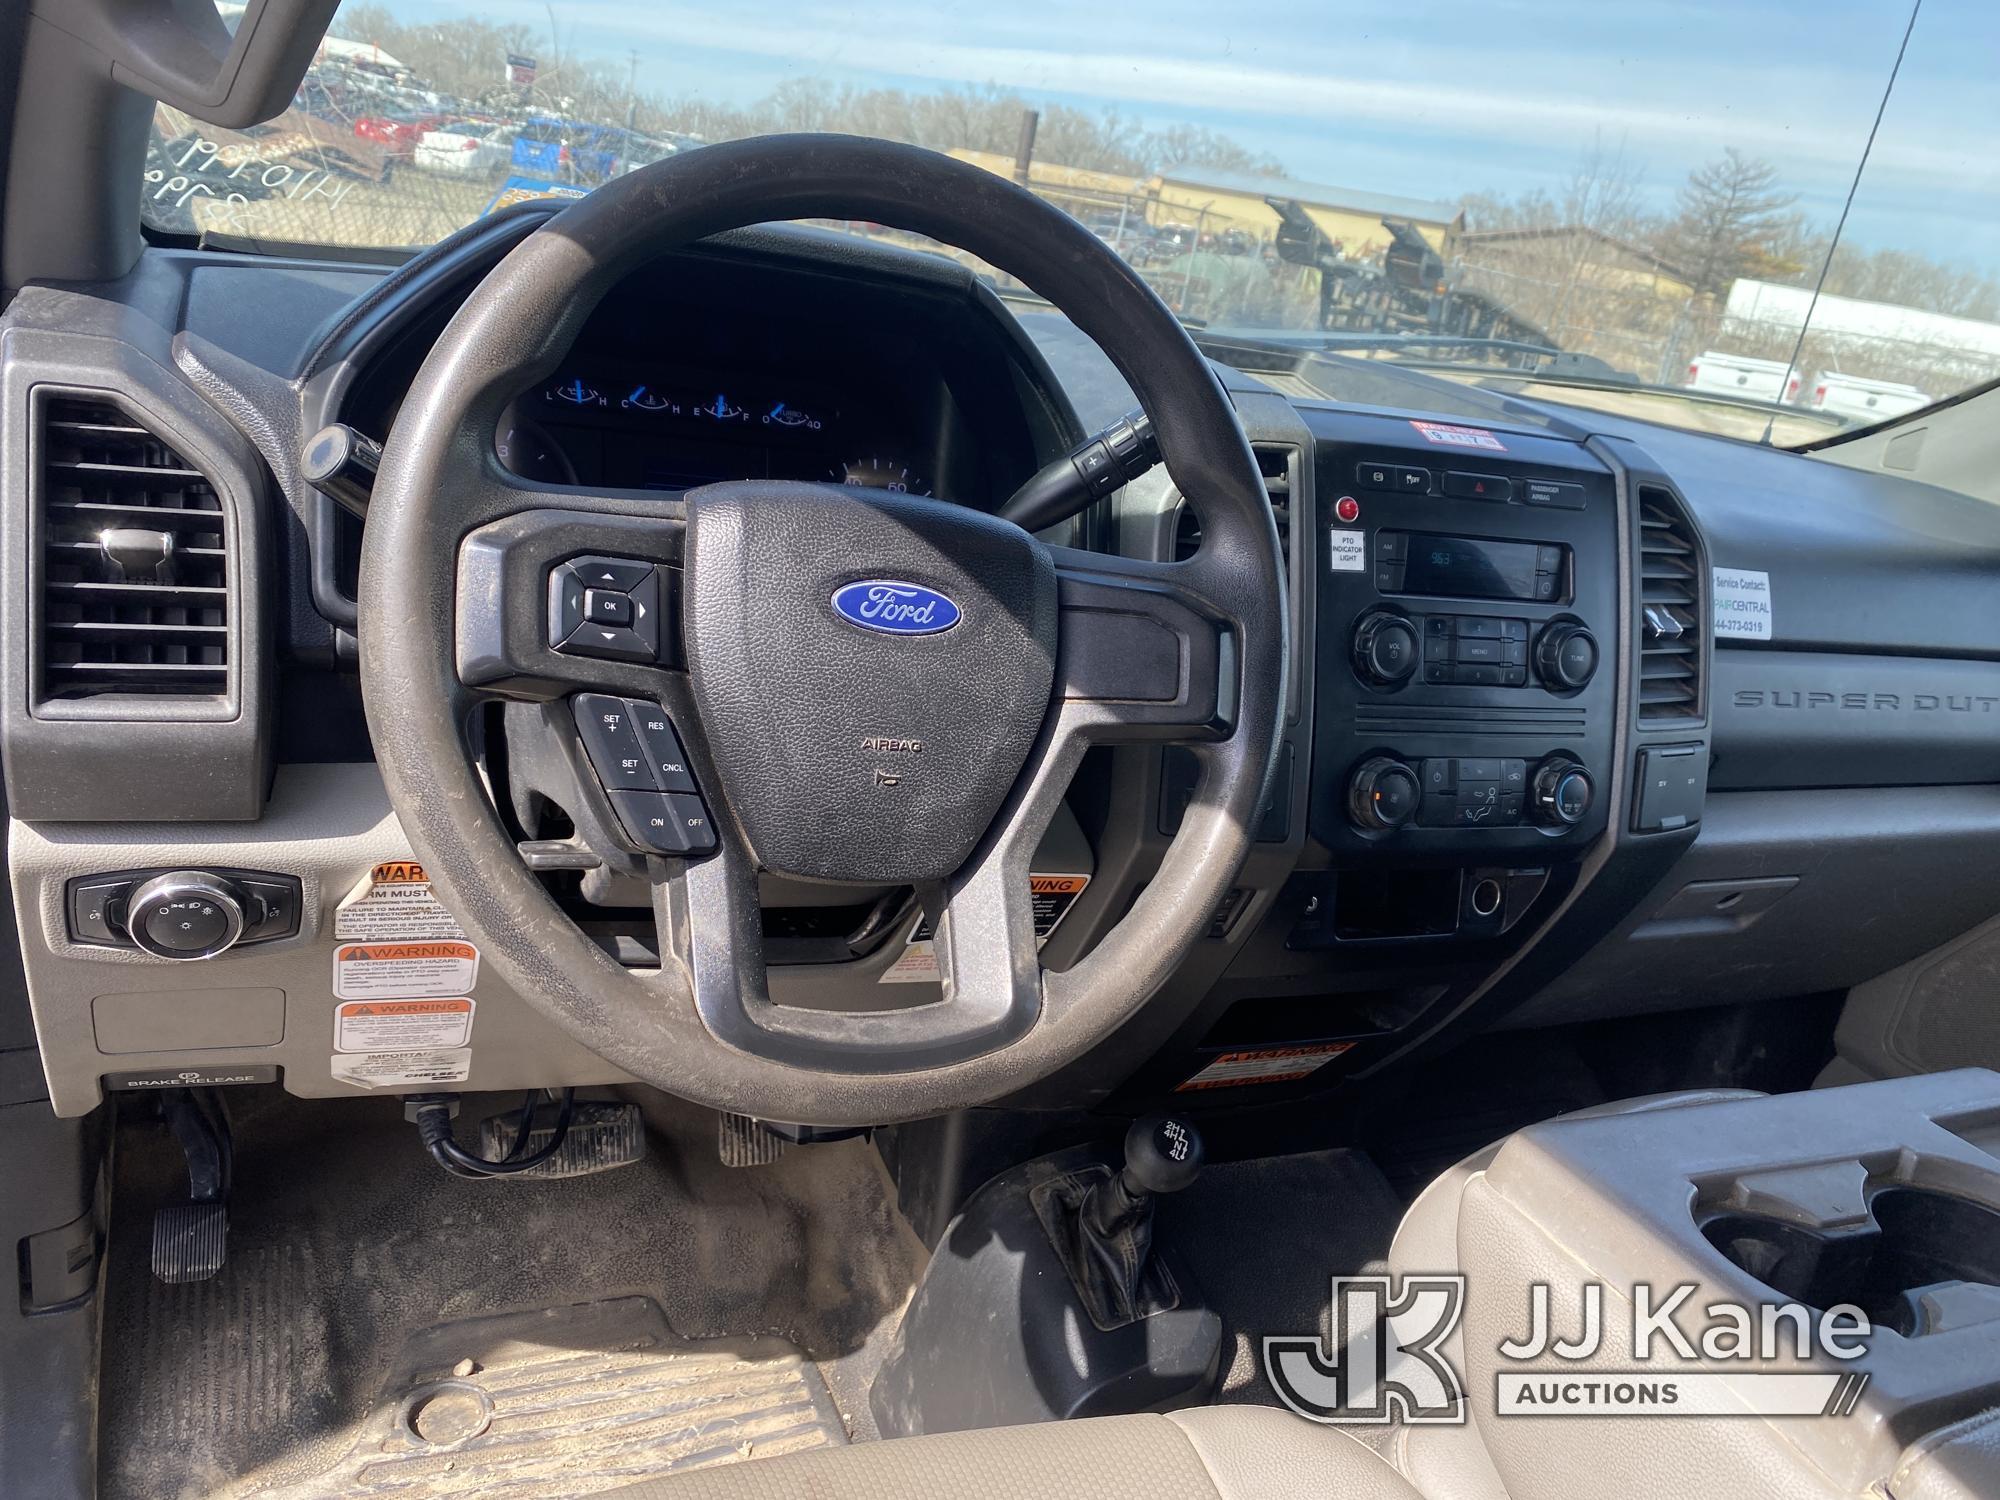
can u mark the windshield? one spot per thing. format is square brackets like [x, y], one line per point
[1662, 210]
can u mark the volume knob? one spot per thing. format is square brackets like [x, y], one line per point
[1386, 649]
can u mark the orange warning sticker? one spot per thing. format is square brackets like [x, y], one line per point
[1230, 1070]
[402, 1025]
[393, 902]
[394, 971]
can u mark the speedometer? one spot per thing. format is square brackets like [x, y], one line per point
[882, 474]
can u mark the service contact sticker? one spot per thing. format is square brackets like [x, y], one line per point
[1743, 604]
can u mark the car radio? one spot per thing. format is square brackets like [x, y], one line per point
[1464, 567]
[1463, 706]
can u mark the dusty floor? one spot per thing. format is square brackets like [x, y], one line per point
[346, 1240]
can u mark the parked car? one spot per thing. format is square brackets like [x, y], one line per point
[398, 131]
[1739, 375]
[569, 150]
[466, 149]
[1863, 399]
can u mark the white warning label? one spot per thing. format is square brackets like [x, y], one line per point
[384, 1070]
[403, 971]
[402, 1025]
[393, 901]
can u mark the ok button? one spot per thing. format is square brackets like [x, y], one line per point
[606, 607]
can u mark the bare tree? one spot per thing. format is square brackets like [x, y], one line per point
[1728, 215]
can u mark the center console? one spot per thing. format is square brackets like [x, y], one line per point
[1467, 606]
[1881, 1200]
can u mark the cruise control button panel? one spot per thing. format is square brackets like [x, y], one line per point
[608, 607]
[636, 752]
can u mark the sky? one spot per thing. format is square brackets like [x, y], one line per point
[1426, 99]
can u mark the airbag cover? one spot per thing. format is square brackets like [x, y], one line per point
[863, 742]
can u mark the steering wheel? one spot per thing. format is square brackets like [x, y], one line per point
[788, 706]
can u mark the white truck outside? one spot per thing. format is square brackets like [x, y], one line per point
[1739, 375]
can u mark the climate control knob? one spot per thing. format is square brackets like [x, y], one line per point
[1560, 793]
[185, 914]
[1386, 649]
[1565, 656]
[1383, 794]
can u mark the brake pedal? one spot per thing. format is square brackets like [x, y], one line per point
[601, 1137]
[191, 1240]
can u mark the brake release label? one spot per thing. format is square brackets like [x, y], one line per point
[403, 971]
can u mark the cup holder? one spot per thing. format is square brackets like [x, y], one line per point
[1916, 1238]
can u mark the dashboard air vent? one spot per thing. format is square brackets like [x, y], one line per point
[1670, 617]
[135, 594]
[1276, 466]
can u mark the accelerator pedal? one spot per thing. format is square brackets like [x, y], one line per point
[190, 1241]
[743, 1142]
[601, 1136]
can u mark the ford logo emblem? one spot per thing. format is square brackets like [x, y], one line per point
[894, 607]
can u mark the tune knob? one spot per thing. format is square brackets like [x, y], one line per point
[1561, 792]
[1386, 649]
[1565, 656]
[1383, 794]
[186, 914]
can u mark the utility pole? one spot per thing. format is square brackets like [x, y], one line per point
[1024, 153]
[631, 90]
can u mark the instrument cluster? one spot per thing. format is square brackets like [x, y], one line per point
[625, 427]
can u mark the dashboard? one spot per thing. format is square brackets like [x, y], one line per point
[1524, 778]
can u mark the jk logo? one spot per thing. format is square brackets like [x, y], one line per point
[1384, 1361]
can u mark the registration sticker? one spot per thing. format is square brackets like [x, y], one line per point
[1448, 435]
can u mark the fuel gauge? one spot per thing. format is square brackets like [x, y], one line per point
[721, 409]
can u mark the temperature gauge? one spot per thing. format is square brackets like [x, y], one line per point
[721, 409]
[645, 398]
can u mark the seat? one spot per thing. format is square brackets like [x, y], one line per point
[1447, 1462]
[1207, 1453]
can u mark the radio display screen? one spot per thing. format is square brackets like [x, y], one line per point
[1465, 568]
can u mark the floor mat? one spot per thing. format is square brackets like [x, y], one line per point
[346, 1242]
[1266, 1238]
[571, 1401]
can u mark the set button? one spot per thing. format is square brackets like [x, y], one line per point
[633, 747]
